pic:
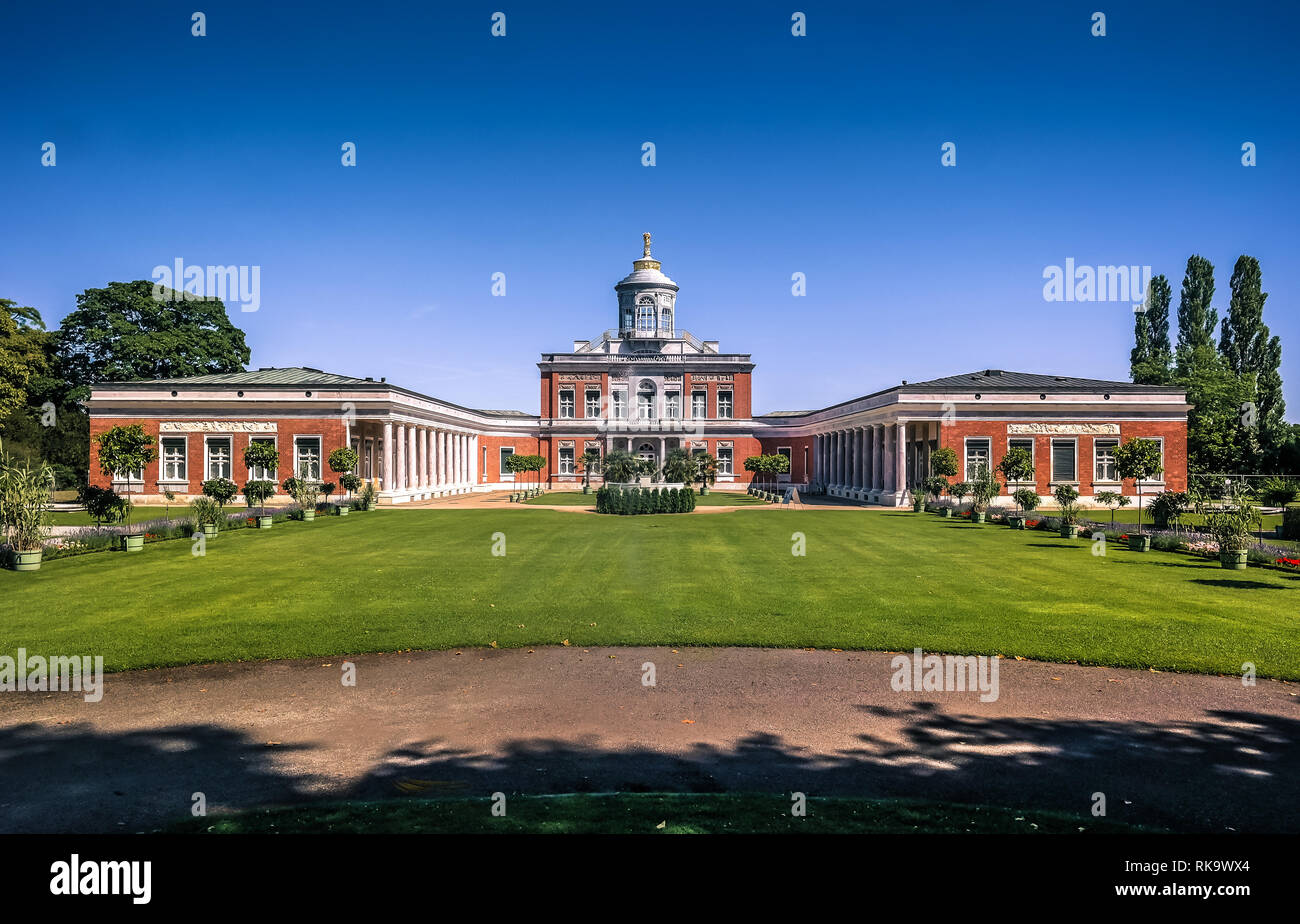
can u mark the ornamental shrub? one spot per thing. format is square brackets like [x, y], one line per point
[1291, 523]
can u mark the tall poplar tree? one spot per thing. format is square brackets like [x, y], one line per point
[1151, 354]
[1197, 319]
[1250, 352]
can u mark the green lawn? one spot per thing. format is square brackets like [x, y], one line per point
[884, 580]
[139, 514]
[649, 813]
[578, 499]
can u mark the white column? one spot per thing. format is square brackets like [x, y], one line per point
[460, 460]
[399, 467]
[412, 464]
[441, 474]
[855, 441]
[900, 458]
[878, 457]
[426, 470]
[387, 483]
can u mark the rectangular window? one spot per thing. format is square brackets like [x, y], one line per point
[645, 405]
[219, 458]
[699, 403]
[724, 462]
[1027, 445]
[306, 461]
[785, 451]
[173, 458]
[724, 405]
[566, 404]
[978, 452]
[258, 472]
[672, 405]
[1063, 461]
[593, 403]
[506, 453]
[1104, 453]
[566, 460]
[620, 405]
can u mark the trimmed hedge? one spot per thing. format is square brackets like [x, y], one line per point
[636, 501]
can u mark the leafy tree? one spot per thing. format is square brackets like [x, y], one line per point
[1067, 498]
[103, 504]
[221, 490]
[256, 493]
[983, 489]
[1111, 500]
[943, 461]
[1250, 351]
[706, 471]
[123, 450]
[1217, 441]
[1197, 320]
[22, 357]
[1138, 459]
[121, 332]
[1017, 465]
[768, 466]
[1151, 355]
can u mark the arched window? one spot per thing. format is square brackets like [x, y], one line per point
[645, 315]
[645, 400]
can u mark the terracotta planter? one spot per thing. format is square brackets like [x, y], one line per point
[25, 561]
[1234, 560]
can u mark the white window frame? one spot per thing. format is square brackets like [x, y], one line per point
[502, 471]
[567, 465]
[1074, 440]
[297, 454]
[592, 410]
[702, 406]
[618, 403]
[275, 441]
[163, 461]
[726, 464]
[572, 407]
[1112, 442]
[731, 404]
[788, 452]
[967, 475]
[672, 405]
[207, 456]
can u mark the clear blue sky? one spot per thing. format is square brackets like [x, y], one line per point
[775, 155]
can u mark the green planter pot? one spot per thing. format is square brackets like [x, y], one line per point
[343, 510]
[25, 561]
[586, 489]
[1234, 561]
[1069, 532]
[209, 530]
[979, 516]
[917, 506]
[308, 515]
[1016, 522]
[133, 543]
[946, 513]
[704, 490]
[265, 522]
[1139, 543]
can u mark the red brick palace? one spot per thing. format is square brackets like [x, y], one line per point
[646, 386]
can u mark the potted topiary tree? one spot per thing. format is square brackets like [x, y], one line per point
[124, 450]
[935, 485]
[1067, 498]
[350, 483]
[590, 462]
[982, 491]
[24, 503]
[1017, 467]
[943, 461]
[221, 490]
[1138, 459]
[1112, 500]
[305, 492]
[1026, 500]
[260, 455]
[327, 489]
[959, 491]
[343, 461]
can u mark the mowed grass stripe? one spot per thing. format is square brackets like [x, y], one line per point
[387, 580]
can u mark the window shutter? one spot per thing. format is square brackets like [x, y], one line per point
[1063, 462]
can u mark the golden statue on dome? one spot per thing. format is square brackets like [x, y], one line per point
[646, 237]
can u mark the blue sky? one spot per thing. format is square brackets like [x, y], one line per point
[775, 155]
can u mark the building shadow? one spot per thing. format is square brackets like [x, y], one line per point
[1230, 771]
